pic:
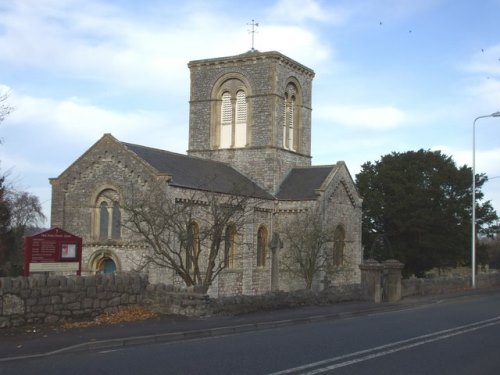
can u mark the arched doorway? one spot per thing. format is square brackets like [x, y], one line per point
[104, 261]
[106, 265]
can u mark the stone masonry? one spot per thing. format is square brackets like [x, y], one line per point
[278, 176]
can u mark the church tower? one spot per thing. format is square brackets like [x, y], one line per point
[252, 111]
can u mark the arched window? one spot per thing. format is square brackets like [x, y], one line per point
[116, 221]
[193, 245]
[338, 246]
[230, 246]
[226, 121]
[290, 118]
[261, 246]
[103, 221]
[107, 216]
[232, 125]
[240, 128]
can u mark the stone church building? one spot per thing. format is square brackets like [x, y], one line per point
[249, 126]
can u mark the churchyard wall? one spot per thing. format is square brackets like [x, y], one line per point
[56, 299]
[442, 285]
[43, 299]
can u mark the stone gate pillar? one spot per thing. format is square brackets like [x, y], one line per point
[371, 276]
[392, 274]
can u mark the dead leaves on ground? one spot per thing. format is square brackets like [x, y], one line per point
[129, 314]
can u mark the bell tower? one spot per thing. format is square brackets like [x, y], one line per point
[252, 111]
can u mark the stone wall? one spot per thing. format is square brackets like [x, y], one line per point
[281, 300]
[57, 299]
[442, 285]
[53, 299]
[167, 299]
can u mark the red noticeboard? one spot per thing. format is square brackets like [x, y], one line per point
[54, 250]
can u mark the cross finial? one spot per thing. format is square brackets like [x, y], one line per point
[253, 31]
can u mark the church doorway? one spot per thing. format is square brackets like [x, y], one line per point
[106, 265]
[104, 262]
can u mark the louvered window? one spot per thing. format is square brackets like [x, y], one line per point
[233, 122]
[226, 121]
[285, 121]
[291, 123]
[240, 136]
[289, 118]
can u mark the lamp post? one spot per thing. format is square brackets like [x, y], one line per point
[496, 114]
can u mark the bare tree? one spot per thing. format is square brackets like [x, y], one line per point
[25, 210]
[4, 108]
[307, 241]
[25, 214]
[190, 235]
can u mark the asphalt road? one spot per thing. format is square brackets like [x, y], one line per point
[456, 336]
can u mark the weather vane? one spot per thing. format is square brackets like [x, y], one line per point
[253, 31]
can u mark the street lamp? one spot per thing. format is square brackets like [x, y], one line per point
[496, 114]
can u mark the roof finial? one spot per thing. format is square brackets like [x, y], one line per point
[253, 31]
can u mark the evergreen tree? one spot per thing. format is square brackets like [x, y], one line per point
[417, 209]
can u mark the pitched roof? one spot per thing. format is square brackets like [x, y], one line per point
[196, 173]
[301, 183]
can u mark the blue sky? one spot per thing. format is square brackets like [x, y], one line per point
[391, 75]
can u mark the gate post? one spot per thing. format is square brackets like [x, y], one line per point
[371, 275]
[392, 272]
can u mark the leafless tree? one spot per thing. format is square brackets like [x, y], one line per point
[25, 210]
[307, 241]
[5, 109]
[189, 234]
[25, 215]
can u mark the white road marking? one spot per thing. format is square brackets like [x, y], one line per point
[379, 351]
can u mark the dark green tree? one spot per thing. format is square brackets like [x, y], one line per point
[417, 209]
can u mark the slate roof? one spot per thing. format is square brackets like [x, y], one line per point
[301, 183]
[196, 173]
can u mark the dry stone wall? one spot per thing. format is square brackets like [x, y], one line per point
[442, 285]
[54, 299]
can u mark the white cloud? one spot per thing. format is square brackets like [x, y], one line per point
[487, 161]
[298, 43]
[77, 121]
[91, 45]
[372, 118]
[20, 164]
[485, 61]
[92, 41]
[300, 11]
[487, 91]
